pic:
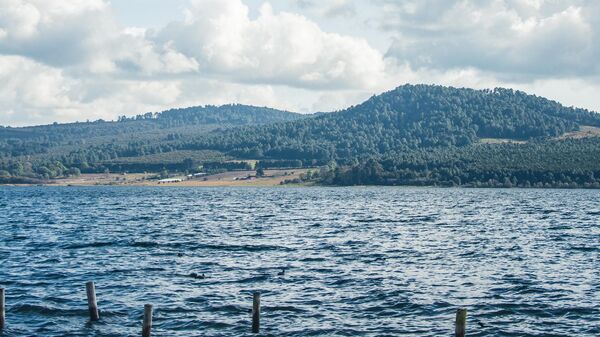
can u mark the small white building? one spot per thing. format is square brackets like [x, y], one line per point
[170, 180]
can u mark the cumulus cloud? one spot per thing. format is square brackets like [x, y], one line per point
[29, 88]
[82, 35]
[517, 40]
[65, 60]
[340, 8]
[217, 37]
[280, 48]
[36, 93]
[329, 8]
[75, 59]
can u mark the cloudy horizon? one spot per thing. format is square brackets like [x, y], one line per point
[77, 60]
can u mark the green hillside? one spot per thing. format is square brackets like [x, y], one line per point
[48, 151]
[414, 134]
[405, 119]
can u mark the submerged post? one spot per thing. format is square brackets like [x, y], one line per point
[91, 297]
[461, 323]
[256, 313]
[147, 325]
[2, 311]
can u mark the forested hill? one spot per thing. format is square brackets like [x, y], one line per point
[414, 134]
[214, 116]
[131, 136]
[407, 118]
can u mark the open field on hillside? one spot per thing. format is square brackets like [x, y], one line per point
[237, 178]
[500, 141]
[231, 178]
[584, 132]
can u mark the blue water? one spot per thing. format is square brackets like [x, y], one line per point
[360, 261]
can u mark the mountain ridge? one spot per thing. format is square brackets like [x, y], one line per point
[402, 123]
[408, 117]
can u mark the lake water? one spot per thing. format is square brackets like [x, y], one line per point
[359, 261]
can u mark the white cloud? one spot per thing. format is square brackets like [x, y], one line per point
[83, 36]
[329, 8]
[68, 60]
[96, 67]
[34, 93]
[577, 92]
[18, 19]
[276, 48]
[339, 100]
[518, 40]
[344, 8]
[30, 90]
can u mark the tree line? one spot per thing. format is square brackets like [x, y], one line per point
[414, 134]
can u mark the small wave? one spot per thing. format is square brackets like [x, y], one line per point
[312, 259]
[354, 242]
[284, 308]
[247, 248]
[154, 269]
[89, 244]
[341, 282]
[559, 227]
[45, 310]
[145, 244]
[584, 248]
[143, 218]
[424, 218]
[376, 220]
[229, 308]
[470, 253]
[251, 279]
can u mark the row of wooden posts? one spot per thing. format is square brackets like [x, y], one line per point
[460, 328]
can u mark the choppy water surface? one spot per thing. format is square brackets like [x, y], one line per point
[360, 261]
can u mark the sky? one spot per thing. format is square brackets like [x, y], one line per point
[78, 60]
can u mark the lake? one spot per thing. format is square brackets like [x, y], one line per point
[365, 261]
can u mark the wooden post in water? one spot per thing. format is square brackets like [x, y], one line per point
[91, 297]
[256, 313]
[461, 323]
[2, 311]
[147, 325]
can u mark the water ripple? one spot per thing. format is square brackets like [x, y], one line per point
[357, 261]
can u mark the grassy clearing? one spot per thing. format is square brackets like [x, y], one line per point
[584, 132]
[501, 141]
[231, 178]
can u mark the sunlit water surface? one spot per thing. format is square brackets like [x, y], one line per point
[359, 261]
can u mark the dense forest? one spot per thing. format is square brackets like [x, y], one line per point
[412, 135]
[141, 143]
[154, 129]
[564, 164]
[405, 119]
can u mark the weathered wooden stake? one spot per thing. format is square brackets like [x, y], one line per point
[147, 325]
[2, 311]
[461, 322]
[256, 313]
[91, 297]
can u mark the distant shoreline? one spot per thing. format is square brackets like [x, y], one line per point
[225, 179]
[270, 182]
[247, 178]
